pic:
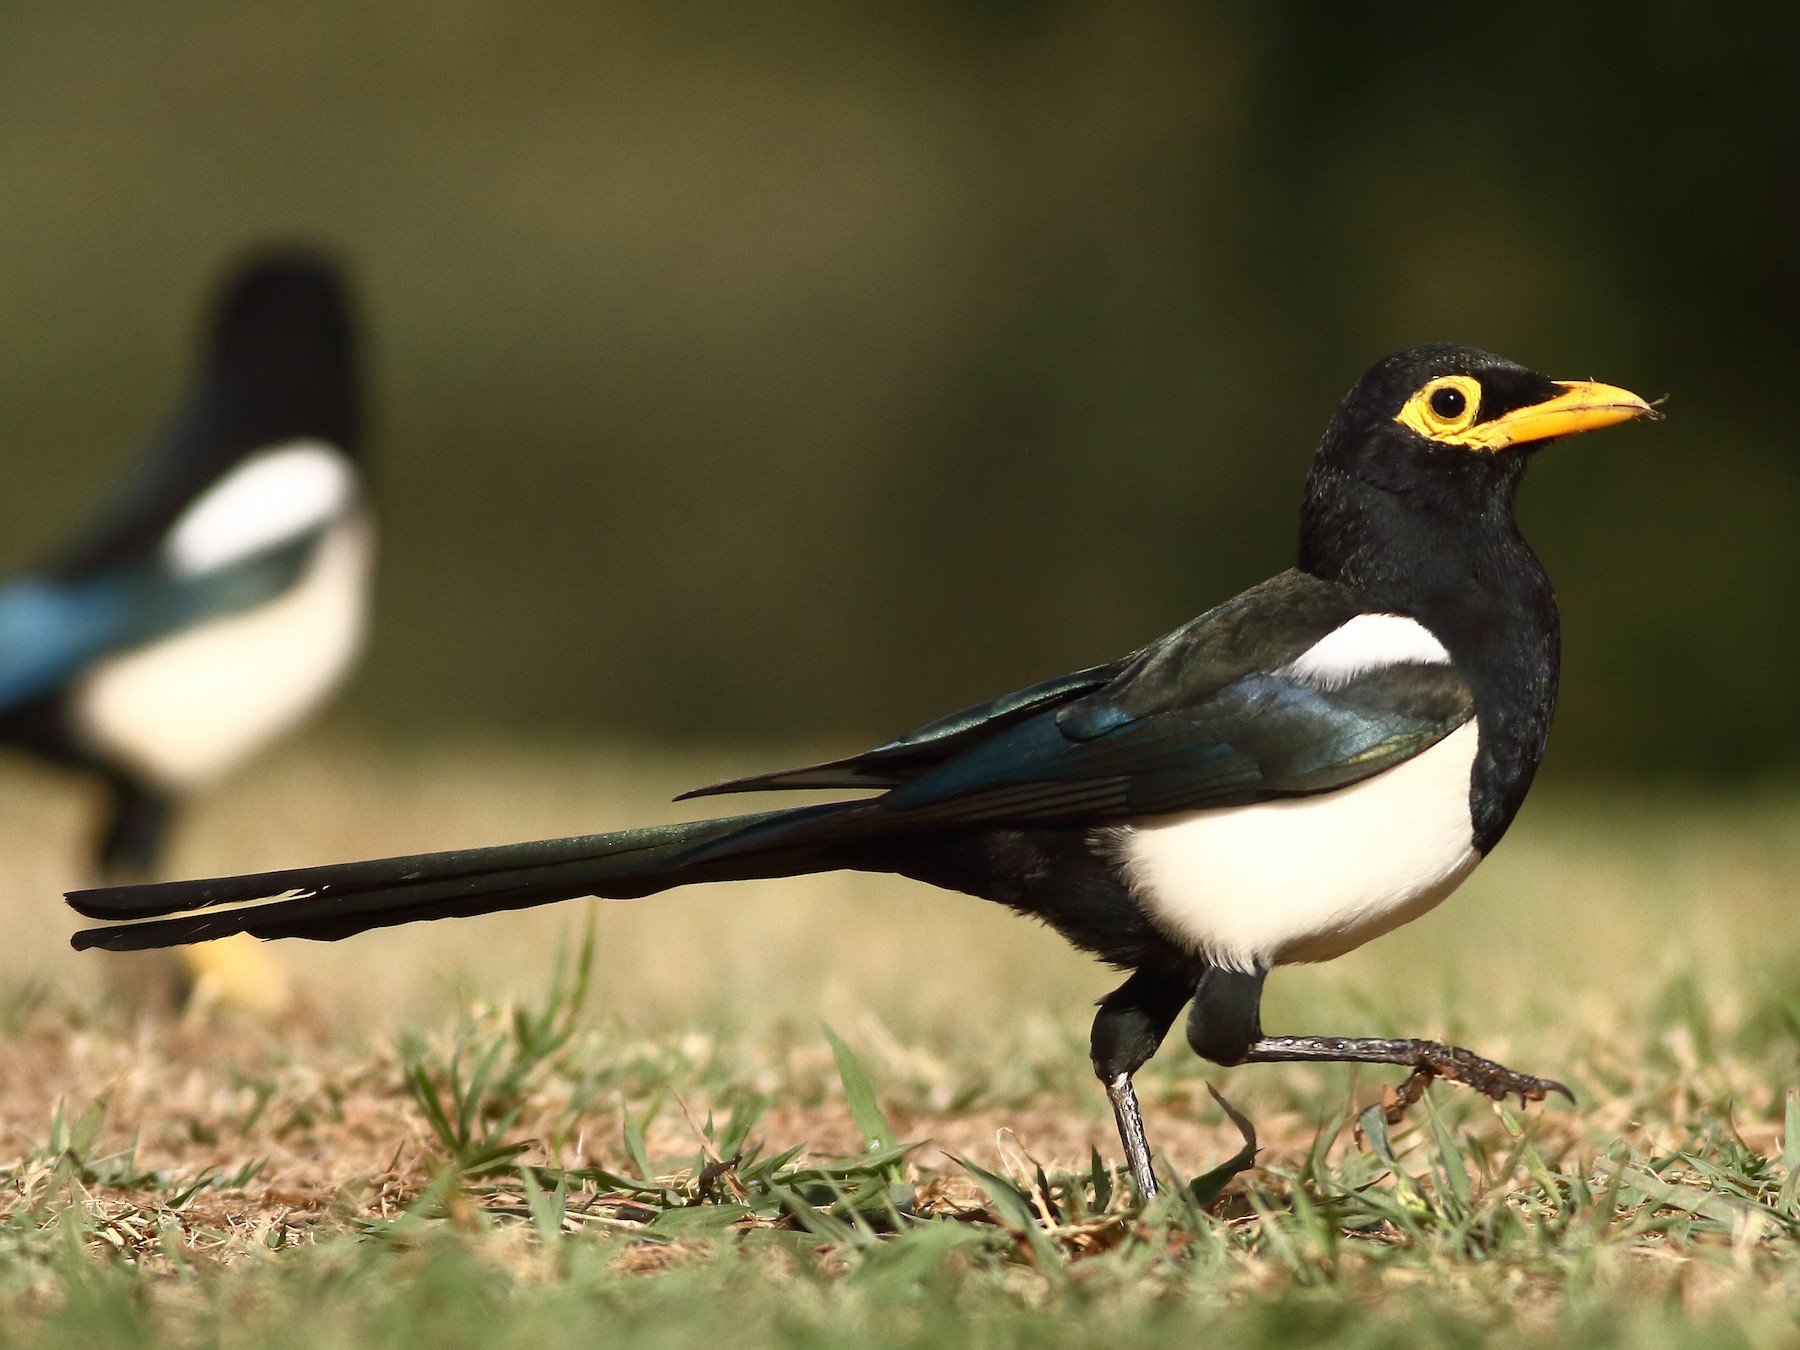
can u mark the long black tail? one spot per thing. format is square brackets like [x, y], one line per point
[342, 899]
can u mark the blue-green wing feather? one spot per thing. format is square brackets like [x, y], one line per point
[905, 757]
[51, 630]
[1263, 736]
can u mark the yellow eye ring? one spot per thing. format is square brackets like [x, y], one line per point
[1443, 409]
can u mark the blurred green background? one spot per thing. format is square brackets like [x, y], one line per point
[750, 373]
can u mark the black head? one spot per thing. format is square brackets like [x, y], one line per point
[1427, 450]
[281, 360]
[278, 363]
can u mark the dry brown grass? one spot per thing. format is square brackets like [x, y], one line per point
[1636, 946]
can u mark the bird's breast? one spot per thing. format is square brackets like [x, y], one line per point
[188, 707]
[1309, 878]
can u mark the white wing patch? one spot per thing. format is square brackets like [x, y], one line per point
[1367, 642]
[271, 498]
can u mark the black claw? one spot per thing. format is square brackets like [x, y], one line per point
[1494, 1080]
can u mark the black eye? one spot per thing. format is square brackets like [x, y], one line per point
[1448, 402]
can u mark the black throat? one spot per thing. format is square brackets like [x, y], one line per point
[1443, 548]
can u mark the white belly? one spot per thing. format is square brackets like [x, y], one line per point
[1310, 878]
[186, 709]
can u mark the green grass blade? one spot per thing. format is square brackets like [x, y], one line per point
[1451, 1166]
[859, 1091]
[634, 1142]
[548, 1208]
[1013, 1208]
[1206, 1188]
[1790, 1152]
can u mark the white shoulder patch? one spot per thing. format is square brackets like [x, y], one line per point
[1367, 642]
[272, 497]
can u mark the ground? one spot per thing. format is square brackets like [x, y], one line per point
[852, 1110]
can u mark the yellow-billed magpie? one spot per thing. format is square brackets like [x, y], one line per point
[221, 592]
[1291, 774]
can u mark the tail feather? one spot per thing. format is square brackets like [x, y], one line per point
[339, 900]
[329, 918]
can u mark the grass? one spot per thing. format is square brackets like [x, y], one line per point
[848, 1112]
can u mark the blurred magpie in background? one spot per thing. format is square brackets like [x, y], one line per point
[1293, 773]
[220, 594]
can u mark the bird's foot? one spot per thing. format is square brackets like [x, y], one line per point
[1395, 1100]
[234, 974]
[1484, 1075]
[1427, 1060]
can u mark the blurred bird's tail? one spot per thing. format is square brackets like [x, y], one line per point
[342, 899]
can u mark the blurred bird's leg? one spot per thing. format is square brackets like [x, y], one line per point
[129, 845]
[234, 972]
[1129, 1027]
[135, 829]
[1427, 1058]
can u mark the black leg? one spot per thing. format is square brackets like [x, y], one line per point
[1226, 1018]
[127, 851]
[1131, 1024]
[135, 831]
[1428, 1058]
[234, 973]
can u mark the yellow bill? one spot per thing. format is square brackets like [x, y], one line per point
[1585, 405]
